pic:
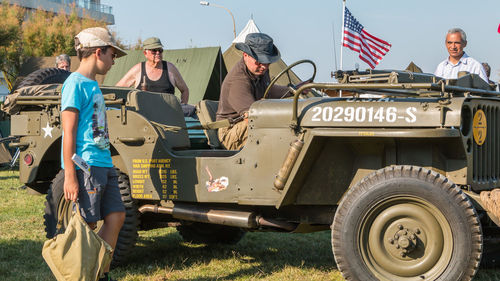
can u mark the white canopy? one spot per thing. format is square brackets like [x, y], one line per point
[251, 27]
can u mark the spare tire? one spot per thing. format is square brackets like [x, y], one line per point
[43, 76]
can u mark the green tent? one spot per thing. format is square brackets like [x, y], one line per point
[414, 68]
[203, 69]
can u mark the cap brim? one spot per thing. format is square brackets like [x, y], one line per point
[268, 59]
[262, 58]
[119, 51]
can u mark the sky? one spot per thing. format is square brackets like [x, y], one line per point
[312, 29]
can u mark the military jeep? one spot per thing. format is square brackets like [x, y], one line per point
[401, 166]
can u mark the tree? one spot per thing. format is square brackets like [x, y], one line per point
[46, 34]
[40, 34]
[10, 40]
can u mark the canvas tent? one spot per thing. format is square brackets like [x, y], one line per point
[414, 68]
[233, 55]
[202, 69]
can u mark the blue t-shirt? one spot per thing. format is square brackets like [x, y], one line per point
[92, 139]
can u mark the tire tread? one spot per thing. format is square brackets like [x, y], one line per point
[405, 171]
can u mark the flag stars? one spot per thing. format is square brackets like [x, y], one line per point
[371, 49]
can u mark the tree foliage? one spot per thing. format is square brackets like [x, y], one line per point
[25, 34]
[10, 39]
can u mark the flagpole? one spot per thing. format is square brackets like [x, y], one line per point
[342, 34]
[342, 40]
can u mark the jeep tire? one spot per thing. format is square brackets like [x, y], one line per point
[406, 223]
[43, 76]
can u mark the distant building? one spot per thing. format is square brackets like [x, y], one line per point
[91, 8]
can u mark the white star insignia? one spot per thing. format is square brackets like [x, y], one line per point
[47, 130]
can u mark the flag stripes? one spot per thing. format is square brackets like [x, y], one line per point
[371, 49]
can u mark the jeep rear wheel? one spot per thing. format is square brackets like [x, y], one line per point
[406, 223]
[197, 232]
[128, 233]
[53, 204]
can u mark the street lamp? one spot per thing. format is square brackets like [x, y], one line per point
[206, 3]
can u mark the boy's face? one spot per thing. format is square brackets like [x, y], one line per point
[105, 59]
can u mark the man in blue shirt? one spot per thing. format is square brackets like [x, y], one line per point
[456, 40]
[85, 133]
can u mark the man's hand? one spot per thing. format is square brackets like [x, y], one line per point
[70, 187]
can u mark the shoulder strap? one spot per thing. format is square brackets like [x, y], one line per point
[61, 214]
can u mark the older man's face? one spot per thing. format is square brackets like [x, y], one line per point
[455, 45]
[255, 67]
[63, 65]
[154, 55]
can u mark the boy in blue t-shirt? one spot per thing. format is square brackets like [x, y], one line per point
[85, 133]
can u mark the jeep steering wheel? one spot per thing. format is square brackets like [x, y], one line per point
[287, 70]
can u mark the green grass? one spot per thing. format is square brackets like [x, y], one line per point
[162, 255]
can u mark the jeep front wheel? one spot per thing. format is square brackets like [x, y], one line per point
[406, 223]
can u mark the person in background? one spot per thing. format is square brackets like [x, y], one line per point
[85, 133]
[63, 61]
[458, 60]
[156, 74]
[487, 69]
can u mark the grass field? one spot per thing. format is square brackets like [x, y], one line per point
[162, 255]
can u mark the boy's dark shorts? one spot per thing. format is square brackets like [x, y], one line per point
[99, 194]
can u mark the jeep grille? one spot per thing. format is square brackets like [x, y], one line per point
[486, 157]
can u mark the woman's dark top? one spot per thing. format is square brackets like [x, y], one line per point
[162, 85]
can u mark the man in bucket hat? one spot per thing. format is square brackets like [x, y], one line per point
[85, 133]
[244, 84]
[155, 74]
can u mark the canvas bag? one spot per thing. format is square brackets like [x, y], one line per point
[78, 253]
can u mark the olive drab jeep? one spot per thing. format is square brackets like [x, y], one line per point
[403, 167]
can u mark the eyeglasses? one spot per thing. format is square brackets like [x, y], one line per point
[156, 51]
[259, 63]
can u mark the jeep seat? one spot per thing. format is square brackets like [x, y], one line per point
[207, 111]
[164, 109]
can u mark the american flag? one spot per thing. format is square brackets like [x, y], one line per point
[370, 48]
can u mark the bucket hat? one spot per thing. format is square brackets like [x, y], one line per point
[152, 43]
[97, 37]
[260, 47]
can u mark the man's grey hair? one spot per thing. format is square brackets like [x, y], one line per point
[63, 57]
[459, 30]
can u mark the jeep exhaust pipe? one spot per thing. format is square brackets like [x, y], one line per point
[224, 217]
[291, 157]
[239, 219]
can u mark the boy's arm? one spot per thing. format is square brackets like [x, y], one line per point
[69, 125]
